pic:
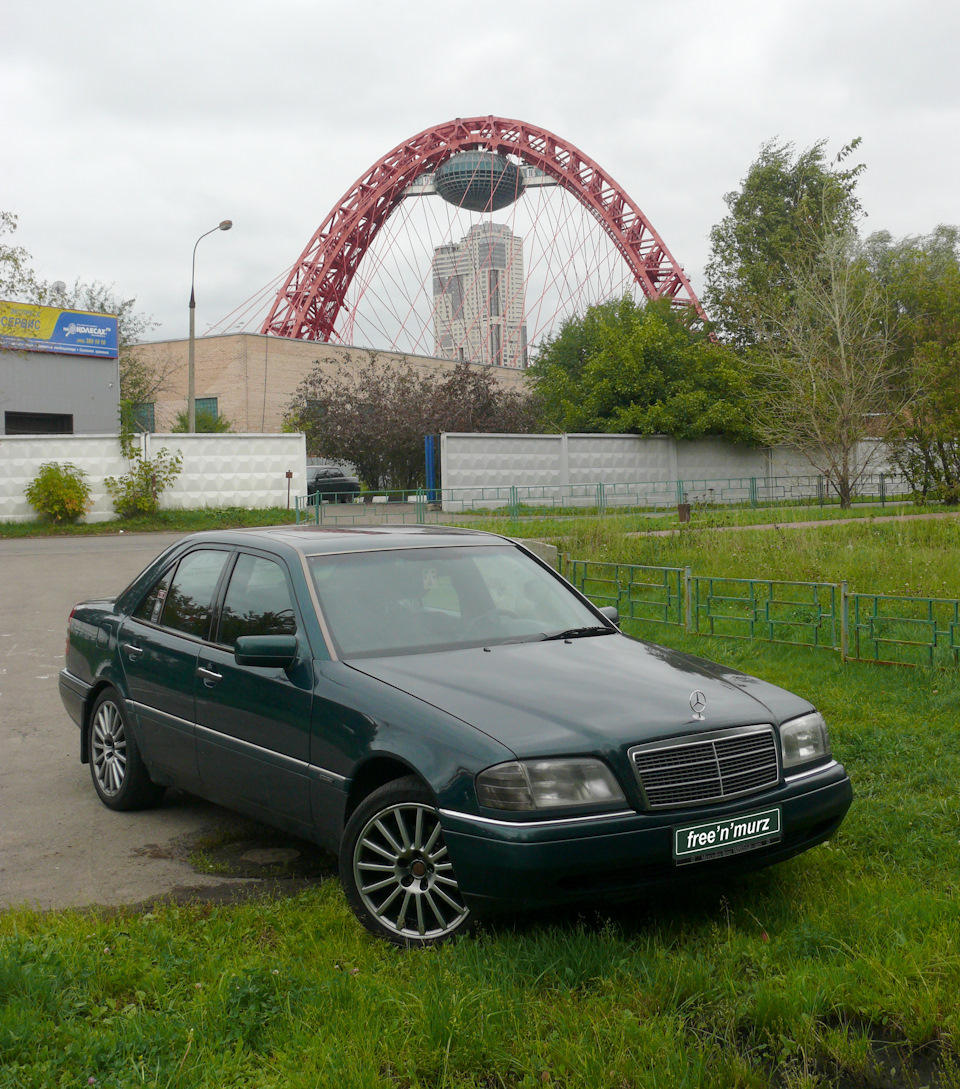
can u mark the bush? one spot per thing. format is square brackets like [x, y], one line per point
[948, 494]
[205, 422]
[59, 492]
[138, 491]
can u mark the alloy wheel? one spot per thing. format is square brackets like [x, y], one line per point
[108, 748]
[403, 873]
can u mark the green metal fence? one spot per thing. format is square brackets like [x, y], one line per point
[878, 628]
[653, 594]
[518, 501]
[661, 495]
[804, 613]
[904, 630]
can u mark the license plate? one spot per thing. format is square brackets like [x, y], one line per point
[730, 836]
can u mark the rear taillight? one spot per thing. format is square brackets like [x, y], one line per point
[66, 648]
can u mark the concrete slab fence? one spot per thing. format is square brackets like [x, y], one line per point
[219, 470]
[564, 470]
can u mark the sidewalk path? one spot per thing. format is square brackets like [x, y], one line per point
[799, 525]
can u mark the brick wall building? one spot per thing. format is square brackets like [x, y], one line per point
[250, 378]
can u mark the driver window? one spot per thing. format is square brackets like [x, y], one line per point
[258, 601]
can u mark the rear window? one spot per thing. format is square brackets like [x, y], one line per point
[190, 598]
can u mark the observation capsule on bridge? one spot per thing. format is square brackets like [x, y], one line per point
[480, 181]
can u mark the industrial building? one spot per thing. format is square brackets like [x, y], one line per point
[58, 371]
[250, 378]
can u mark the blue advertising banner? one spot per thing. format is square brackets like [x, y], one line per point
[28, 328]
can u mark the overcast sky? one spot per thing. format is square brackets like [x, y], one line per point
[132, 128]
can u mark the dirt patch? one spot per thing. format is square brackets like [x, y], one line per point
[258, 853]
[254, 861]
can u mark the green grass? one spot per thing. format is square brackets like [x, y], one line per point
[829, 970]
[616, 521]
[794, 976]
[915, 557]
[165, 521]
[533, 521]
[705, 516]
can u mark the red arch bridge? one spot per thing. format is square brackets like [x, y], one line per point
[530, 230]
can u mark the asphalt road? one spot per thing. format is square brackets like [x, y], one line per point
[59, 846]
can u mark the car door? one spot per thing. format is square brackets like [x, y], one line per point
[159, 644]
[253, 722]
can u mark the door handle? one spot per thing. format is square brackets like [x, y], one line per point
[133, 651]
[210, 676]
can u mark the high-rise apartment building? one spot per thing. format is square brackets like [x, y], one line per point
[478, 298]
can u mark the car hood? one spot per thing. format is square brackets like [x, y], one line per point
[587, 694]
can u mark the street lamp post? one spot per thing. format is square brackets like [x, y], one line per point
[225, 225]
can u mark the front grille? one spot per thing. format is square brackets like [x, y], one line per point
[707, 768]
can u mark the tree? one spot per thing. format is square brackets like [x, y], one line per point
[472, 400]
[644, 369]
[786, 205]
[922, 277]
[376, 417]
[17, 280]
[827, 371]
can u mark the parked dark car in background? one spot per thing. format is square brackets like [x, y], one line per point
[331, 484]
[445, 712]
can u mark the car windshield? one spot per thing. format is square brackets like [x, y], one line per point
[409, 601]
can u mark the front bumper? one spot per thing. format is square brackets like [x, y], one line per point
[502, 863]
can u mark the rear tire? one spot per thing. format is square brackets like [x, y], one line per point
[119, 774]
[395, 869]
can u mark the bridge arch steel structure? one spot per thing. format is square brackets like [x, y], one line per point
[309, 302]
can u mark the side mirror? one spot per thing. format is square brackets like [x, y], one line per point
[278, 651]
[611, 612]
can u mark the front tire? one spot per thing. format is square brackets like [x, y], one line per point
[395, 869]
[119, 774]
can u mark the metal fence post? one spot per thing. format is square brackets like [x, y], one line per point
[421, 501]
[430, 455]
[883, 490]
[688, 598]
[601, 499]
[514, 503]
[753, 492]
[844, 622]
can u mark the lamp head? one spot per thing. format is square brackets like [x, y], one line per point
[226, 225]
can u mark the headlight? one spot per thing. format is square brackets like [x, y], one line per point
[548, 784]
[804, 739]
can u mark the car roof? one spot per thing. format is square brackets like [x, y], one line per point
[314, 540]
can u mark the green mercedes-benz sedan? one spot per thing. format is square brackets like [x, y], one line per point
[444, 711]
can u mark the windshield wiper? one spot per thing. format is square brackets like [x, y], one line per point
[582, 633]
[534, 637]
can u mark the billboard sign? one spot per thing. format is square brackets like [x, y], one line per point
[28, 328]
